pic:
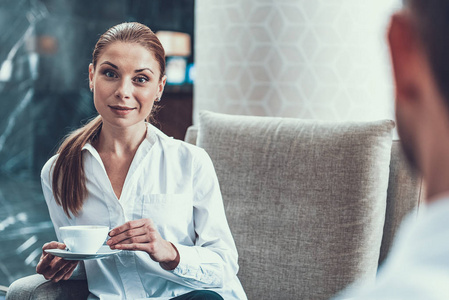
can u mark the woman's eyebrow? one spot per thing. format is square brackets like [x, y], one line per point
[109, 63]
[115, 67]
[140, 70]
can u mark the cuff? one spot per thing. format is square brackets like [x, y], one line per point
[188, 261]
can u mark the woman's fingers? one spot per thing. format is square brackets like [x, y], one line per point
[70, 272]
[127, 237]
[141, 239]
[46, 258]
[134, 247]
[142, 235]
[137, 231]
[122, 237]
[60, 269]
[129, 226]
[65, 271]
[44, 263]
[52, 267]
[52, 245]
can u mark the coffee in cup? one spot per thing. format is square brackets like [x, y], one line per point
[83, 238]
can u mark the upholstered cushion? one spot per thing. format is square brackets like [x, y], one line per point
[404, 195]
[305, 199]
[191, 135]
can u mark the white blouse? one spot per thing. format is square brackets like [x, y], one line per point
[174, 184]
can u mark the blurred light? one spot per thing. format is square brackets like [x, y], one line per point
[190, 73]
[34, 60]
[176, 70]
[175, 43]
[6, 70]
[47, 44]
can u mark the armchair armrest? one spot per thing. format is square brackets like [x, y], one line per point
[36, 287]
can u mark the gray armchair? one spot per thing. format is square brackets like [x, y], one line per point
[36, 287]
[313, 206]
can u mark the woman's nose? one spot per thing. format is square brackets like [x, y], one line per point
[124, 90]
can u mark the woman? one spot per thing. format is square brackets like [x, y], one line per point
[159, 196]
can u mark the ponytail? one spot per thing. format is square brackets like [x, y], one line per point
[69, 181]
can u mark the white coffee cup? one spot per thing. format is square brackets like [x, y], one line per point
[84, 238]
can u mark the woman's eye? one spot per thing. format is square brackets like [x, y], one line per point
[109, 74]
[141, 79]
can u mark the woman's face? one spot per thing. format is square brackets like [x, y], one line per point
[125, 83]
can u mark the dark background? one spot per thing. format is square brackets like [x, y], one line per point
[49, 45]
[58, 80]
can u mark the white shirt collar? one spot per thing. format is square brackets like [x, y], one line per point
[151, 138]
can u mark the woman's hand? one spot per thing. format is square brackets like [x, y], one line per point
[142, 235]
[55, 268]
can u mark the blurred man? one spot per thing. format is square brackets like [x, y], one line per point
[418, 265]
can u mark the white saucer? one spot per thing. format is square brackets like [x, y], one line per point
[67, 255]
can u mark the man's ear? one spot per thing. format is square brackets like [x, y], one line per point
[405, 50]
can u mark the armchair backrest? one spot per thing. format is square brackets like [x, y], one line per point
[307, 200]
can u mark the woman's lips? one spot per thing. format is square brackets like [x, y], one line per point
[121, 110]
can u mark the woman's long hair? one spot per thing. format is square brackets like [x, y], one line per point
[69, 181]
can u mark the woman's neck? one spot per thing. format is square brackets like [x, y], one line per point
[120, 140]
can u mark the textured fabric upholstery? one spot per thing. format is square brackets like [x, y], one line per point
[404, 192]
[305, 200]
[191, 135]
[36, 287]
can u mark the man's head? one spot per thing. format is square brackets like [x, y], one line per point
[431, 20]
[420, 56]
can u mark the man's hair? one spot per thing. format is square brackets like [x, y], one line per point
[432, 23]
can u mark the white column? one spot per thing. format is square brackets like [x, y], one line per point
[319, 59]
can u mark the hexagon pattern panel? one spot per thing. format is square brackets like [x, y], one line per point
[317, 59]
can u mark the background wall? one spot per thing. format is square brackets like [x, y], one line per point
[295, 58]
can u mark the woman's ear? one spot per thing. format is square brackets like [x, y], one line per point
[91, 76]
[161, 85]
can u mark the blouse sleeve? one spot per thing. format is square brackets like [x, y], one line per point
[213, 259]
[57, 215]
